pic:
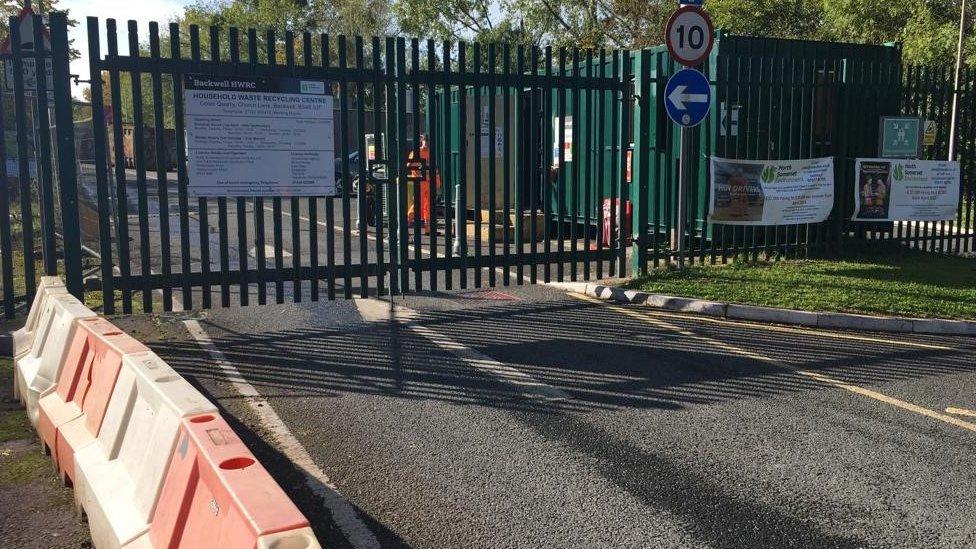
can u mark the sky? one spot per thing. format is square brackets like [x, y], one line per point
[143, 11]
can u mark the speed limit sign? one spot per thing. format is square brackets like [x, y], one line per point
[690, 35]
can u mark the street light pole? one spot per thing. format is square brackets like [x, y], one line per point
[954, 124]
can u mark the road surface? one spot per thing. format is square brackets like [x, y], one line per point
[526, 417]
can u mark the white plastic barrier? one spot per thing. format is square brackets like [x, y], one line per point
[23, 338]
[298, 539]
[118, 478]
[38, 370]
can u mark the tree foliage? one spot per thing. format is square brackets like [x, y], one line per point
[927, 29]
[349, 17]
[580, 23]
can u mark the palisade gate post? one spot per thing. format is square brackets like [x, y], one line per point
[28, 61]
[66, 162]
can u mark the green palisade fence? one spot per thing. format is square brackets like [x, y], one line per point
[39, 232]
[525, 145]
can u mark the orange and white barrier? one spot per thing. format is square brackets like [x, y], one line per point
[71, 412]
[37, 369]
[153, 463]
[216, 494]
[118, 479]
[23, 338]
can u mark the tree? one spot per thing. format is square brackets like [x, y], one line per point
[349, 17]
[333, 17]
[801, 19]
[927, 29]
[573, 23]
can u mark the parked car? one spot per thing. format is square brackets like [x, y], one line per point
[353, 161]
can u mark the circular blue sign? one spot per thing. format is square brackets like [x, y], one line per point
[688, 97]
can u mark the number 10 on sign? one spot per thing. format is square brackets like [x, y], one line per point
[690, 35]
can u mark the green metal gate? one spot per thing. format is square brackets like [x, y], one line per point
[477, 108]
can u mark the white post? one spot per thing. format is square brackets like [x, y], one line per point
[458, 223]
[953, 125]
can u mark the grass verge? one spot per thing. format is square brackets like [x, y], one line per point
[887, 281]
[13, 420]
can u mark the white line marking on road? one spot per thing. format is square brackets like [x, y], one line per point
[345, 517]
[528, 385]
[343, 513]
[960, 411]
[741, 351]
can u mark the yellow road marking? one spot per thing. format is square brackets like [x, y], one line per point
[960, 411]
[808, 331]
[827, 380]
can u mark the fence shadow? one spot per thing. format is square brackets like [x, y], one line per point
[599, 358]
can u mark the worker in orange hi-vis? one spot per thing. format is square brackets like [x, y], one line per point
[424, 181]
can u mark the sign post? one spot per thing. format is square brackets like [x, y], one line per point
[690, 37]
[687, 98]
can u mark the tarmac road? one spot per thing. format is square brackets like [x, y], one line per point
[527, 417]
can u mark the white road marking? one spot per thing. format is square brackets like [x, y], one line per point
[712, 342]
[343, 513]
[269, 251]
[375, 310]
[528, 385]
[960, 411]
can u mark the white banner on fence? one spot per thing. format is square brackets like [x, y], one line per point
[905, 190]
[771, 192]
[259, 137]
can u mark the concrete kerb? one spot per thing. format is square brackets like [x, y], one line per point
[843, 321]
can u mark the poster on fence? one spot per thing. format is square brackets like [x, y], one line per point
[905, 190]
[249, 136]
[771, 192]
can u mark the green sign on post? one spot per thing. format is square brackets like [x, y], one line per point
[901, 137]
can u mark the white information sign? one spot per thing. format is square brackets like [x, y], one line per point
[259, 136]
[485, 137]
[729, 124]
[29, 68]
[771, 192]
[905, 190]
[567, 146]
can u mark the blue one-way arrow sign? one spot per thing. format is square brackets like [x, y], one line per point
[687, 97]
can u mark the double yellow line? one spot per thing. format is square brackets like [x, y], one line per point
[657, 321]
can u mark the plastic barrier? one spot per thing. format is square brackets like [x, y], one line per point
[216, 494]
[23, 338]
[71, 413]
[153, 463]
[38, 369]
[118, 479]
